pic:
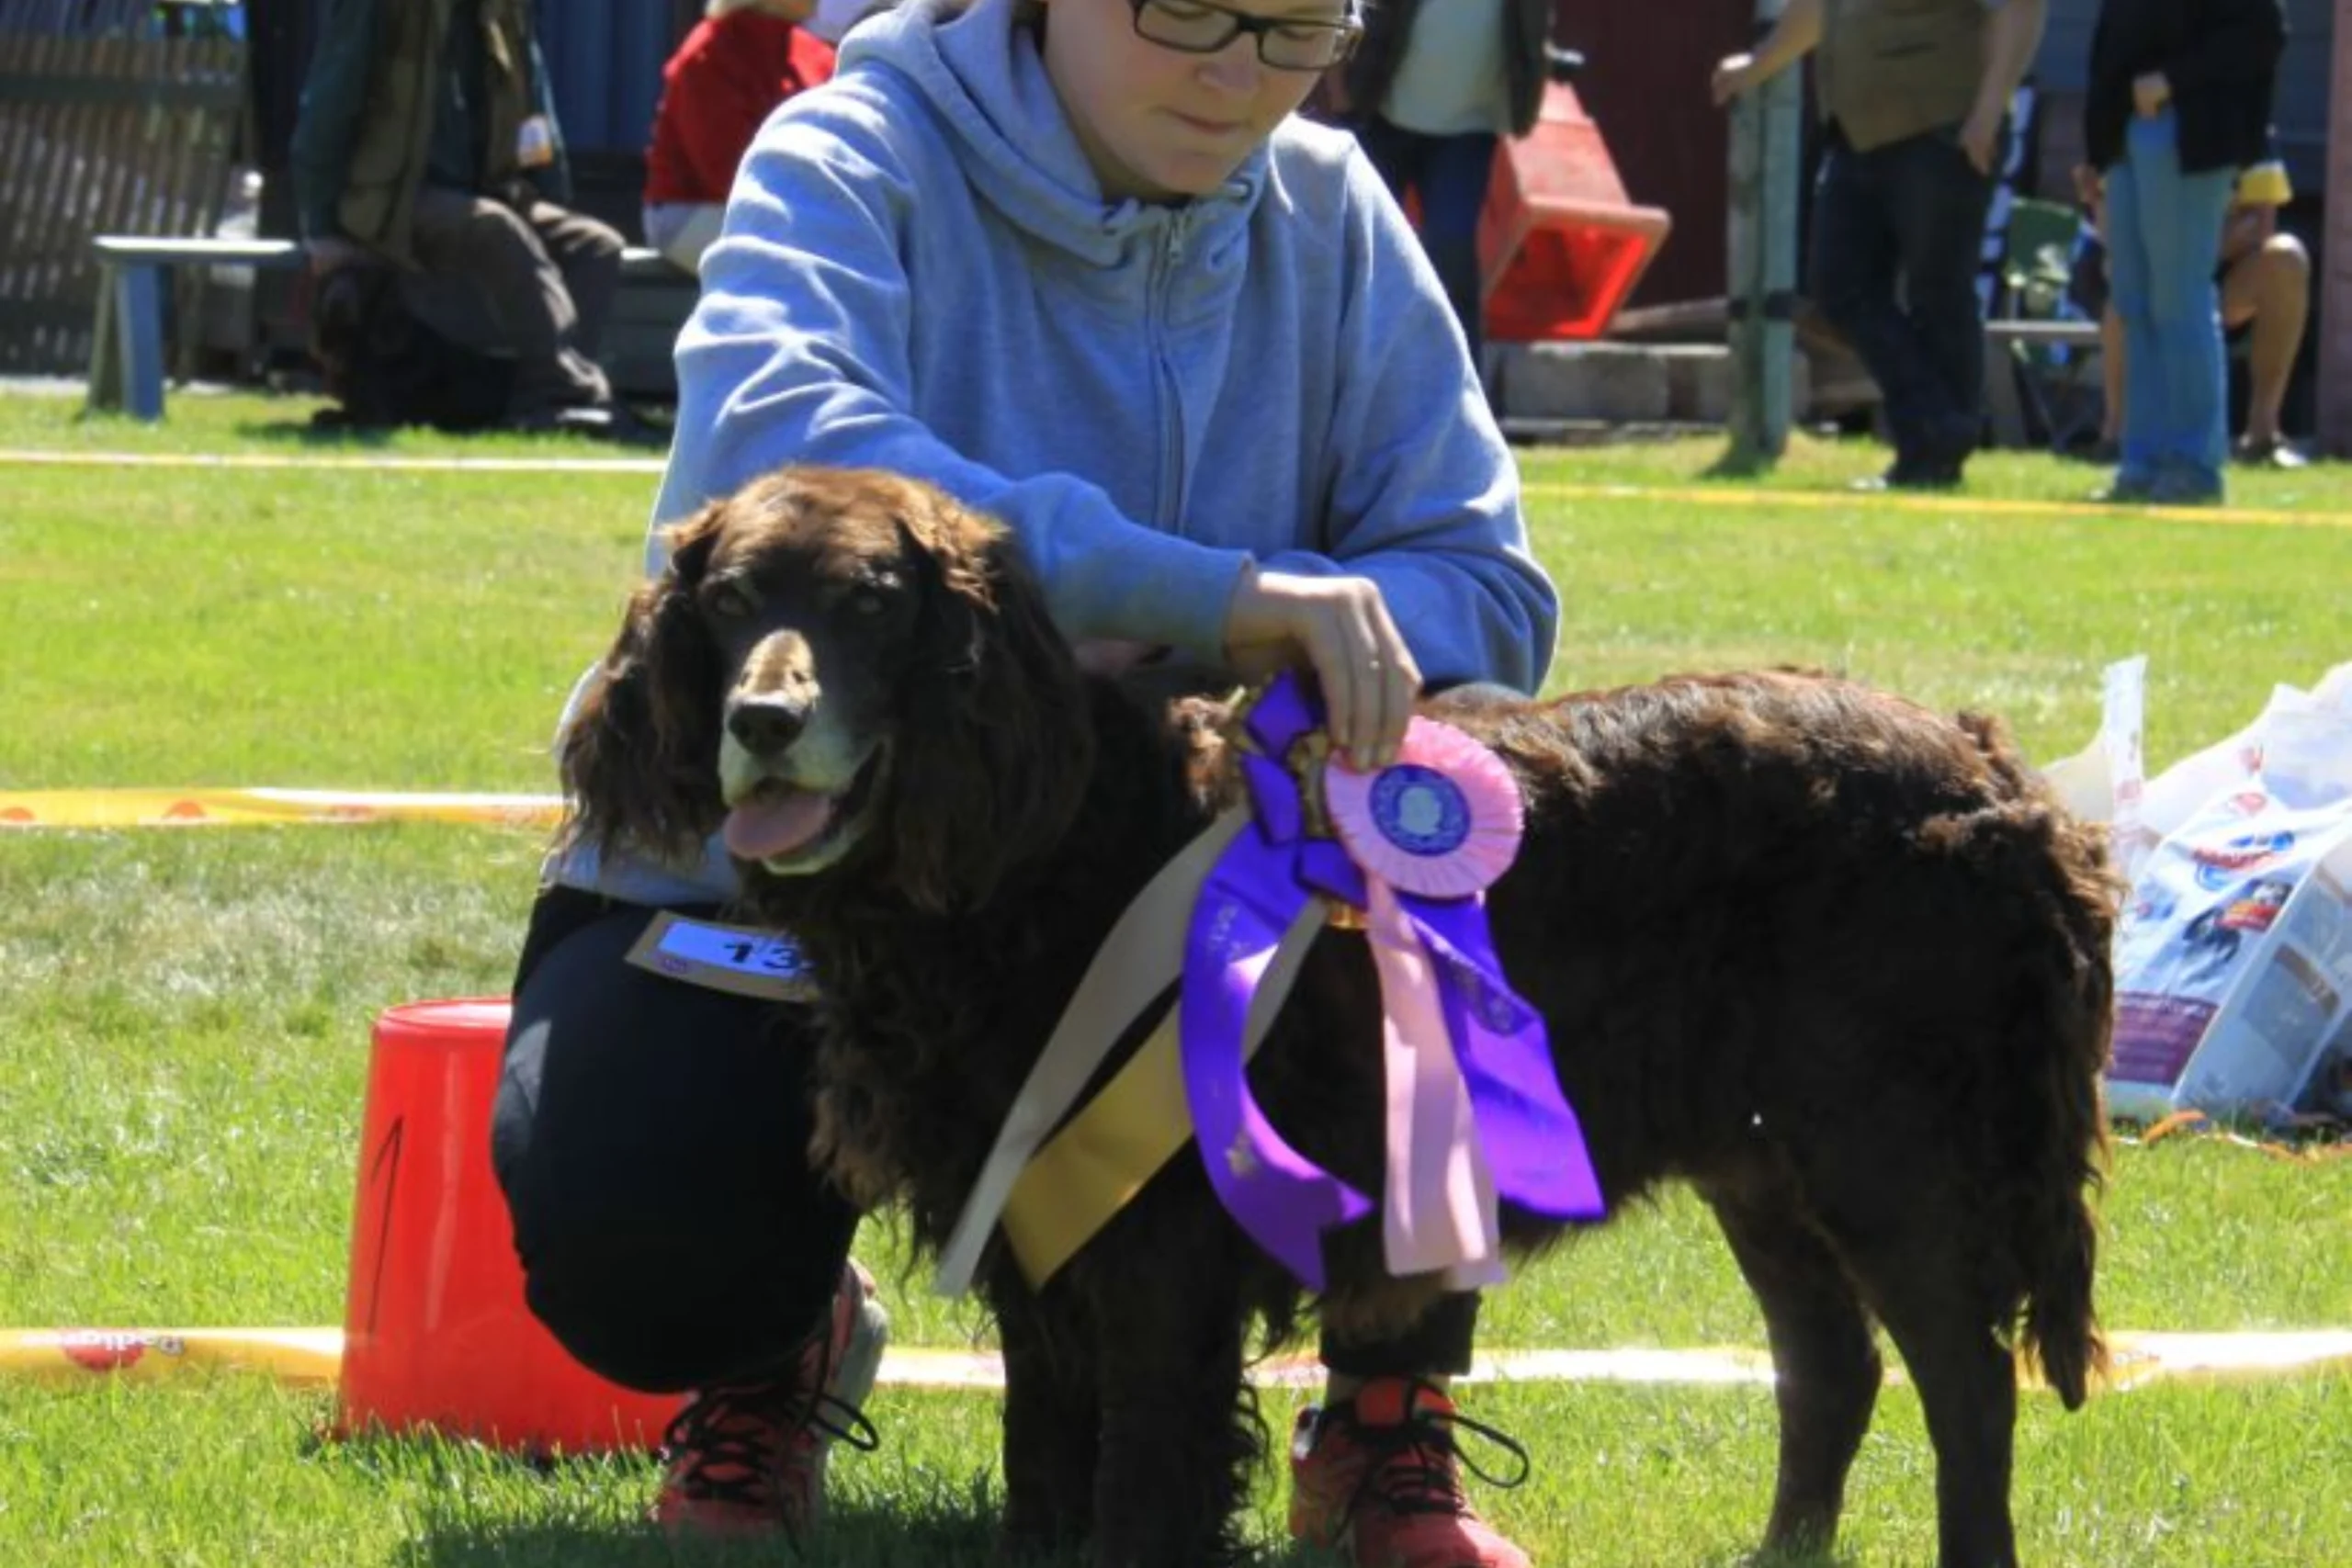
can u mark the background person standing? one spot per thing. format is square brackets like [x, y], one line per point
[2178, 101]
[1912, 94]
[1431, 93]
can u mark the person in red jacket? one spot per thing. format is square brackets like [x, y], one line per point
[742, 60]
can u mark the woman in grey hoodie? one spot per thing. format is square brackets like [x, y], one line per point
[1078, 263]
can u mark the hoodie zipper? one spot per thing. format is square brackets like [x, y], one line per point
[1171, 402]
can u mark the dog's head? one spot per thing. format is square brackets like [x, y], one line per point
[837, 667]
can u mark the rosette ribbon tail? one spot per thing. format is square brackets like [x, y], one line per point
[1281, 1199]
[1438, 1209]
[1254, 894]
[1533, 1145]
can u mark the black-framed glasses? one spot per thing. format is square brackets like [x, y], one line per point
[1285, 43]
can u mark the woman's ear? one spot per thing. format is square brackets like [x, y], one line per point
[996, 742]
[640, 757]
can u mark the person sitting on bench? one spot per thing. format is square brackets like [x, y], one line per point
[427, 142]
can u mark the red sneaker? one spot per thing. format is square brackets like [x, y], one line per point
[750, 1459]
[1376, 1478]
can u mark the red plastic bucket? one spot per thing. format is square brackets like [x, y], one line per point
[435, 1333]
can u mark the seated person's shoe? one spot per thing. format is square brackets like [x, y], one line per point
[2274, 453]
[750, 1461]
[598, 421]
[1376, 1478]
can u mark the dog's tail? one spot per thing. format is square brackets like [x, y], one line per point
[2058, 1049]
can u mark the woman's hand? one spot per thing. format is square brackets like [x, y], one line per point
[1338, 627]
[2150, 93]
[1734, 75]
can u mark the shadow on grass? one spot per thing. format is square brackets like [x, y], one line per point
[869, 1535]
[319, 437]
[853, 1538]
[1737, 463]
[323, 432]
[1814, 1558]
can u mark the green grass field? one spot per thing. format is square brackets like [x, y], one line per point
[186, 1013]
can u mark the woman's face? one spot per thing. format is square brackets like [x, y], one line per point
[1158, 124]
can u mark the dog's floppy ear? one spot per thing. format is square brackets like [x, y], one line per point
[995, 739]
[640, 757]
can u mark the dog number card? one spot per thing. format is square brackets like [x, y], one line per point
[748, 963]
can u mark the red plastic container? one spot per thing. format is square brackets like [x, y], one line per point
[435, 1333]
[1560, 244]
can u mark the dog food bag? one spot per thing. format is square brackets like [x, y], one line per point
[2233, 962]
[2183, 789]
[2105, 781]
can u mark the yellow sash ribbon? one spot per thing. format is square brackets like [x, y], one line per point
[1051, 1199]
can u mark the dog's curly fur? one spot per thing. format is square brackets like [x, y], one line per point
[1839, 962]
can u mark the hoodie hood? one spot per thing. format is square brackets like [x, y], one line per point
[983, 76]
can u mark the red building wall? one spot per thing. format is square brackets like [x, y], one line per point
[1645, 86]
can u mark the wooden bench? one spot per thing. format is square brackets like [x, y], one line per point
[127, 342]
[127, 336]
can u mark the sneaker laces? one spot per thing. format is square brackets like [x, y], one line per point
[1414, 1468]
[727, 1440]
[724, 1443]
[827, 1412]
[842, 1422]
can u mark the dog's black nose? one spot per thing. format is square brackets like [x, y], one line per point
[766, 725]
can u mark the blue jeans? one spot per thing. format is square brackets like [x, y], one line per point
[1449, 174]
[2164, 229]
[1910, 212]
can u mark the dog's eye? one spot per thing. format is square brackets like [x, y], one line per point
[728, 602]
[873, 598]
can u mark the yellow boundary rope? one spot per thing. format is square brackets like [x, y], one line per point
[1714, 495]
[245, 808]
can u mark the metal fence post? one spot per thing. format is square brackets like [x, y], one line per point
[1762, 257]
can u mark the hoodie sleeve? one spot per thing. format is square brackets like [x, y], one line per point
[1424, 493]
[798, 351]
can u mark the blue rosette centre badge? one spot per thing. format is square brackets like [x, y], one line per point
[1419, 810]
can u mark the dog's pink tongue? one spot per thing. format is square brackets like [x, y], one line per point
[776, 824]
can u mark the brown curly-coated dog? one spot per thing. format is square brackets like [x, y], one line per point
[1839, 962]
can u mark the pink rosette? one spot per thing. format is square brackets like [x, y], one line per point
[1443, 821]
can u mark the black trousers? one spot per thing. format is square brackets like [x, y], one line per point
[1896, 236]
[651, 1138]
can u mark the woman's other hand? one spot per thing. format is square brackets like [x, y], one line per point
[1338, 627]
